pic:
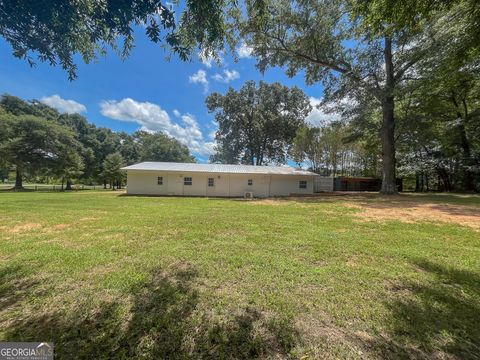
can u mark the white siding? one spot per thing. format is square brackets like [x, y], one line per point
[140, 182]
[239, 185]
[286, 185]
[323, 183]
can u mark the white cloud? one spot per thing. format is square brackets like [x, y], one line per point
[318, 116]
[244, 51]
[228, 75]
[63, 105]
[176, 113]
[200, 77]
[206, 60]
[151, 117]
[209, 60]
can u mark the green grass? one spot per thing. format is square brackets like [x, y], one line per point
[109, 276]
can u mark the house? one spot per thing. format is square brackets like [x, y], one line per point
[187, 179]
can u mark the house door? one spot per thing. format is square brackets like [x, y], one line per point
[211, 185]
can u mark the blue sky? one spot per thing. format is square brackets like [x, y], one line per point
[144, 91]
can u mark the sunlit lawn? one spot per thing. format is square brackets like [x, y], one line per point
[104, 275]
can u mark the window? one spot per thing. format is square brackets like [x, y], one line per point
[302, 184]
[160, 180]
[250, 182]
[211, 182]
[187, 181]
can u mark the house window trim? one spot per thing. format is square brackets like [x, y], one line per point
[212, 183]
[185, 181]
[159, 180]
[302, 184]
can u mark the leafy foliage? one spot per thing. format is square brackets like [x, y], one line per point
[440, 129]
[257, 124]
[335, 43]
[36, 140]
[112, 168]
[329, 150]
[33, 143]
[56, 30]
[158, 147]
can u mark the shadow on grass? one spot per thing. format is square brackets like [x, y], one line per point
[14, 285]
[439, 319]
[164, 321]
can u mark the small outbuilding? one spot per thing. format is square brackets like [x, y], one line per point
[188, 179]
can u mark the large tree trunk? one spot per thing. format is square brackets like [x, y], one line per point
[468, 177]
[18, 179]
[69, 185]
[388, 125]
[417, 182]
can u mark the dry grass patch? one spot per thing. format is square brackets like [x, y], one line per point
[60, 226]
[22, 228]
[272, 202]
[87, 219]
[414, 212]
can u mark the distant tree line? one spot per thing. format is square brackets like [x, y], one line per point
[329, 149]
[38, 143]
[437, 134]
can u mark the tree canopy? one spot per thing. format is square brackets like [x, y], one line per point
[335, 43]
[36, 141]
[56, 30]
[33, 143]
[257, 124]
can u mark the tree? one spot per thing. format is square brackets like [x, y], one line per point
[160, 147]
[17, 106]
[4, 174]
[307, 147]
[83, 159]
[112, 169]
[32, 143]
[129, 148]
[333, 150]
[257, 125]
[56, 30]
[69, 166]
[97, 143]
[439, 117]
[317, 38]
[412, 15]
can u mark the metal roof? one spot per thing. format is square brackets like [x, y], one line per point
[218, 168]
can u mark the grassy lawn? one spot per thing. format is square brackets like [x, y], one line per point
[109, 276]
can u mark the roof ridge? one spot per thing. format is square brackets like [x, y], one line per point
[216, 168]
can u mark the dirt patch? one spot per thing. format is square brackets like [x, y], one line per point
[321, 337]
[352, 261]
[59, 226]
[414, 212]
[21, 228]
[324, 339]
[272, 202]
[298, 202]
[397, 289]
